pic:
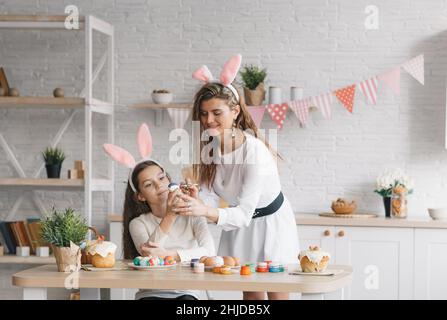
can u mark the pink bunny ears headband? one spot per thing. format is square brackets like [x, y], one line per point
[123, 157]
[227, 76]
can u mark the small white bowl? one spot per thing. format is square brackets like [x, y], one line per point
[438, 213]
[162, 98]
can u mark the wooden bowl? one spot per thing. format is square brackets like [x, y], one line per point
[348, 208]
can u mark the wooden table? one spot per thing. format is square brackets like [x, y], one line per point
[36, 281]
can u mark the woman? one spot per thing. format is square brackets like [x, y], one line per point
[239, 167]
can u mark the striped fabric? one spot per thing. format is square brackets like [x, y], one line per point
[324, 102]
[369, 89]
[301, 109]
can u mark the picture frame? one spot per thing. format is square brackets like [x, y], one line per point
[4, 82]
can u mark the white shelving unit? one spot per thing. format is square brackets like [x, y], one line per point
[85, 103]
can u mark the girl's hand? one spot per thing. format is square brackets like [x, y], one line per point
[152, 249]
[173, 198]
[190, 206]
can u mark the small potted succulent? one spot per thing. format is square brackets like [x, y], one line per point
[253, 82]
[65, 231]
[53, 161]
[162, 96]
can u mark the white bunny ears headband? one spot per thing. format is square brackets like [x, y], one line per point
[123, 157]
[227, 76]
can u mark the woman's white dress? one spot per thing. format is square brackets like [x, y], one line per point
[246, 179]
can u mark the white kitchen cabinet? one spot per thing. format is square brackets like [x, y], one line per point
[430, 278]
[322, 236]
[382, 258]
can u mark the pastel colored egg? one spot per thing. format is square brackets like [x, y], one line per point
[169, 260]
[161, 262]
[173, 186]
[144, 262]
[153, 262]
[219, 261]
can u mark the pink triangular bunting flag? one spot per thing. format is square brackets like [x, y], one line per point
[257, 114]
[346, 96]
[301, 109]
[324, 102]
[392, 79]
[179, 116]
[415, 67]
[369, 89]
[278, 113]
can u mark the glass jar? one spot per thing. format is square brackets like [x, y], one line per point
[399, 208]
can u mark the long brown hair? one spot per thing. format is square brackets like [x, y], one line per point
[203, 172]
[134, 208]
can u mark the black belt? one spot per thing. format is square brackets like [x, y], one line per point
[271, 208]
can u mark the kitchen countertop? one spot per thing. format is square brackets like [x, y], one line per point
[380, 221]
[313, 219]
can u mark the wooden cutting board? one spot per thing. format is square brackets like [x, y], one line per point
[351, 215]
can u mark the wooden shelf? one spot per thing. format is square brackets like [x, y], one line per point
[43, 21]
[46, 102]
[49, 183]
[56, 184]
[11, 259]
[34, 17]
[146, 105]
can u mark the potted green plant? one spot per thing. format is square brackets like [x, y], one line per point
[65, 231]
[53, 161]
[253, 82]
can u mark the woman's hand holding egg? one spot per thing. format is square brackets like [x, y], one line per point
[189, 206]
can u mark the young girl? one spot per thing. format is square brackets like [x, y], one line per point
[259, 224]
[150, 225]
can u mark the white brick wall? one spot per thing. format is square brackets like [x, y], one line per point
[320, 45]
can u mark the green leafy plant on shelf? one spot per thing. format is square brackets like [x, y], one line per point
[252, 76]
[59, 228]
[53, 161]
[253, 82]
[53, 156]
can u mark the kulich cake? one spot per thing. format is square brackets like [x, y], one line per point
[313, 260]
[102, 253]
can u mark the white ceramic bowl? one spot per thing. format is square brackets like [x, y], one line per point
[162, 98]
[438, 213]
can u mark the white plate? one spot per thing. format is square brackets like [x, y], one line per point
[327, 272]
[164, 267]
